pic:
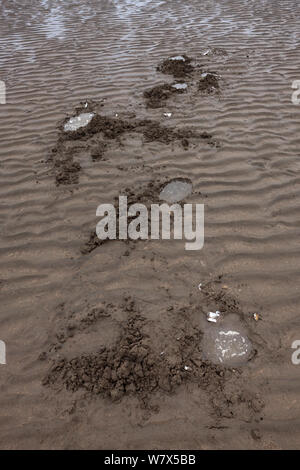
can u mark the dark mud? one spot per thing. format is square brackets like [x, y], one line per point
[157, 96]
[92, 243]
[153, 131]
[177, 68]
[209, 84]
[65, 168]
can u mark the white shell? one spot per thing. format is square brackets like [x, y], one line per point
[76, 122]
[213, 316]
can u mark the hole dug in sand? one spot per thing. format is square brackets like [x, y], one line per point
[176, 190]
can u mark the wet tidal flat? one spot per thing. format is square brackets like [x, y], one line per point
[133, 344]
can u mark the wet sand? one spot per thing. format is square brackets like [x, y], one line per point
[70, 305]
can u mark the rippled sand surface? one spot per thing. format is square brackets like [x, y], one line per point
[56, 54]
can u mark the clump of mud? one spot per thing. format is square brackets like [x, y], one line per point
[178, 66]
[157, 96]
[209, 83]
[109, 127]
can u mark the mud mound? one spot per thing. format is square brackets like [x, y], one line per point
[157, 96]
[209, 84]
[177, 68]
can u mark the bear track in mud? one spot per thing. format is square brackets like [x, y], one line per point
[131, 366]
[108, 129]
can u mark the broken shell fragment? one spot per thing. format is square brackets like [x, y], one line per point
[178, 57]
[180, 86]
[213, 316]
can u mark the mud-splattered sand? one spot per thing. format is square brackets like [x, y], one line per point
[108, 343]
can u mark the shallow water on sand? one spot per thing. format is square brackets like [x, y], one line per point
[56, 54]
[226, 343]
